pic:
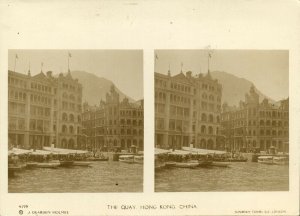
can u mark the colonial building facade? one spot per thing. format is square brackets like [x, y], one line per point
[187, 110]
[43, 110]
[114, 124]
[256, 126]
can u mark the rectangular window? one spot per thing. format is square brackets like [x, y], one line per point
[171, 124]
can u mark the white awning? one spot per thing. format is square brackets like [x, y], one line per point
[203, 151]
[65, 151]
[161, 151]
[18, 151]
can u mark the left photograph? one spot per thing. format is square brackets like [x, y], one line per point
[75, 121]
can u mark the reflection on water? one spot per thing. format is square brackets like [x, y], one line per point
[102, 176]
[246, 176]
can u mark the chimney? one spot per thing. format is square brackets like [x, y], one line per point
[49, 74]
[189, 74]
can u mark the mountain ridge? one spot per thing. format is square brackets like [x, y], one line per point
[95, 87]
[235, 88]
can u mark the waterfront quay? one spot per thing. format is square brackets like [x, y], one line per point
[240, 176]
[208, 170]
[99, 176]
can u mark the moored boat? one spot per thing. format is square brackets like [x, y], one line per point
[220, 164]
[205, 163]
[238, 159]
[47, 165]
[66, 163]
[190, 165]
[126, 158]
[265, 160]
[98, 158]
[82, 163]
[170, 164]
[12, 169]
[30, 165]
[138, 159]
[279, 160]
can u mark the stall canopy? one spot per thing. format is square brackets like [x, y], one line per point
[181, 152]
[17, 151]
[203, 151]
[161, 151]
[41, 152]
[65, 151]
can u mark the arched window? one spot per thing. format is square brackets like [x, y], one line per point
[64, 143]
[134, 122]
[203, 129]
[71, 129]
[210, 144]
[64, 117]
[71, 118]
[211, 118]
[210, 130]
[64, 129]
[203, 117]
[71, 144]
[262, 123]
[135, 142]
[128, 143]
[122, 143]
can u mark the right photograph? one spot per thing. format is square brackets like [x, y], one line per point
[221, 120]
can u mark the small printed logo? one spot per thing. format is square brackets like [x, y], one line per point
[20, 212]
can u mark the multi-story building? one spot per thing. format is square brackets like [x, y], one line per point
[43, 110]
[114, 124]
[67, 111]
[256, 125]
[187, 110]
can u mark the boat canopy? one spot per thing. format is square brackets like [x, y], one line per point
[265, 157]
[161, 151]
[181, 152]
[203, 151]
[65, 151]
[41, 152]
[17, 151]
[126, 156]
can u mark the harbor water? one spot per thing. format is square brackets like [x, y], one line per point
[240, 176]
[101, 176]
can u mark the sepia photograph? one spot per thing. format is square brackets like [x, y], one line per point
[75, 121]
[221, 120]
[151, 108]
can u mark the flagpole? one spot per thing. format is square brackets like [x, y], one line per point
[15, 63]
[208, 63]
[68, 62]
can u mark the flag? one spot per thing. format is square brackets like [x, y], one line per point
[209, 55]
[17, 56]
[156, 56]
[70, 55]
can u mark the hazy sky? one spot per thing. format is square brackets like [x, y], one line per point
[123, 67]
[268, 70]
